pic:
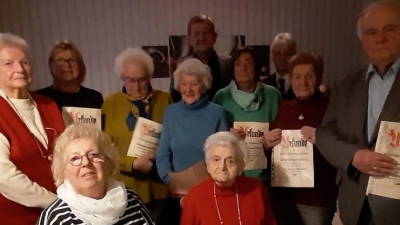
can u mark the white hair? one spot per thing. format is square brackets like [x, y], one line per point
[135, 54]
[229, 140]
[14, 41]
[193, 67]
[284, 38]
[78, 131]
[369, 7]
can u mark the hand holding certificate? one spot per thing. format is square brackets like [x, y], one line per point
[145, 138]
[254, 132]
[388, 143]
[293, 164]
[81, 115]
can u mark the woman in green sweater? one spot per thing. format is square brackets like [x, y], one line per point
[247, 99]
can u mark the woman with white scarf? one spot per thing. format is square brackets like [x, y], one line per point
[84, 161]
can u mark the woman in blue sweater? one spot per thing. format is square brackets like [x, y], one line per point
[188, 123]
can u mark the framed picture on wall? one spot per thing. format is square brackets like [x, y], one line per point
[160, 57]
[262, 55]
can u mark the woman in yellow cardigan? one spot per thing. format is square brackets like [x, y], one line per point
[121, 111]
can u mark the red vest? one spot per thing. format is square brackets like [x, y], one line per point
[26, 154]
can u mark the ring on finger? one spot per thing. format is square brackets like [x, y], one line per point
[375, 168]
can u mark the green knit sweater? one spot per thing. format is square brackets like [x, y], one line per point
[266, 113]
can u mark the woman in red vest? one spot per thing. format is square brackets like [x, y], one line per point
[29, 124]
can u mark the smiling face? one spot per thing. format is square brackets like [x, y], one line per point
[65, 67]
[191, 88]
[244, 68]
[304, 81]
[88, 176]
[202, 37]
[15, 69]
[222, 165]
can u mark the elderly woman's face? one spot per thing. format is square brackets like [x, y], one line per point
[222, 165]
[136, 81]
[15, 69]
[304, 81]
[65, 66]
[191, 88]
[244, 68]
[86, 168]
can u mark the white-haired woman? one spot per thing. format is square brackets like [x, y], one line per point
[84, 161]
[227, 197]
[29, 125]
[189, 122]
[121, 111]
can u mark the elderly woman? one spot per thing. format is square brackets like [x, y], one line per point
[120, 111]
[247, 99]
[315, 206]
[68, 70]
[29, 124]
[226, 197]
[84, 160]
[189, 122]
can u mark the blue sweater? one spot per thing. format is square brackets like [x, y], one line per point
[185, 129]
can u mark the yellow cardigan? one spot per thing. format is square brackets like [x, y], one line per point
[115, 110]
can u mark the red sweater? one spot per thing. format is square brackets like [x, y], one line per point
[25, 154]
[200, 209]
[324, 192]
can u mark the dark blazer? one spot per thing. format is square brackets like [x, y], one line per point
[271, 80]
[343, 131]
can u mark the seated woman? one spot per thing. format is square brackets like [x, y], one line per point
[188, 123]
[226, 197]
[247, 99]
[121, 111]
[68, 70]
[308, 206]
[84, 161]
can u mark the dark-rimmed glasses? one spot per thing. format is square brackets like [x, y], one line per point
[70, 61]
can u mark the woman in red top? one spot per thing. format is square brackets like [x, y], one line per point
[304, 206]
[226, 197]
[29, 124]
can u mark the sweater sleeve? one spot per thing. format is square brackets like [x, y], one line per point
[189, 216]
[16, 186]
[164, 152]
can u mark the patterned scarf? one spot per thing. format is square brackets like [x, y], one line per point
[140, 108]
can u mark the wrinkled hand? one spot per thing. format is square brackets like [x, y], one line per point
[308, 133]
[272, 138]
[179, 193]
[143, 163]
[238, 132]
[373, 163]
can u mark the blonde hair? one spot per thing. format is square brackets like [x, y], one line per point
[78, 131]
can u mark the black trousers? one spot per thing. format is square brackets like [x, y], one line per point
[165, 211]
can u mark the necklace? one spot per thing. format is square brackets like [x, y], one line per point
[237, 204]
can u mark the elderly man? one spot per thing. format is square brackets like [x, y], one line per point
[202, 37]
[359, 102]
[283, 47]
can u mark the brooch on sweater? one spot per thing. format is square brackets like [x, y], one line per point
[301, 117]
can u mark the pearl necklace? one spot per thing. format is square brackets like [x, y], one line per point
[237, 204]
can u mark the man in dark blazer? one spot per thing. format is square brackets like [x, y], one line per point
[283, 47]
[359, 102]
[202, 37]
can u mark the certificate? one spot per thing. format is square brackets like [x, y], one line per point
[292, 161]
[81, 115]
[388, 143]
[145, 138]
[254, 132]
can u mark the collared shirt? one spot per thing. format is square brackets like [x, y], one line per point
[378, 91]
[286, 78]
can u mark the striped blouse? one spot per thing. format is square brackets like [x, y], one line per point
[60, 213]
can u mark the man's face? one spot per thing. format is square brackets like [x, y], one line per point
[202, 38]
[281, 54]
[380, 34]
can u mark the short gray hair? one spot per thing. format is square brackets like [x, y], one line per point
[389, 3]
[14, 41]
[229, 140]
[135, 54]
[78, 131]
[284, 38]
[193, 67]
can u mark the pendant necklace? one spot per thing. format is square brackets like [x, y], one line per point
[237, 204]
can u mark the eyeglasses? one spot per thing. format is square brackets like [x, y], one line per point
[92, 157]
[141, 80]
[70, 61]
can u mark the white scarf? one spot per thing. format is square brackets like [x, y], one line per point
[103, 211]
